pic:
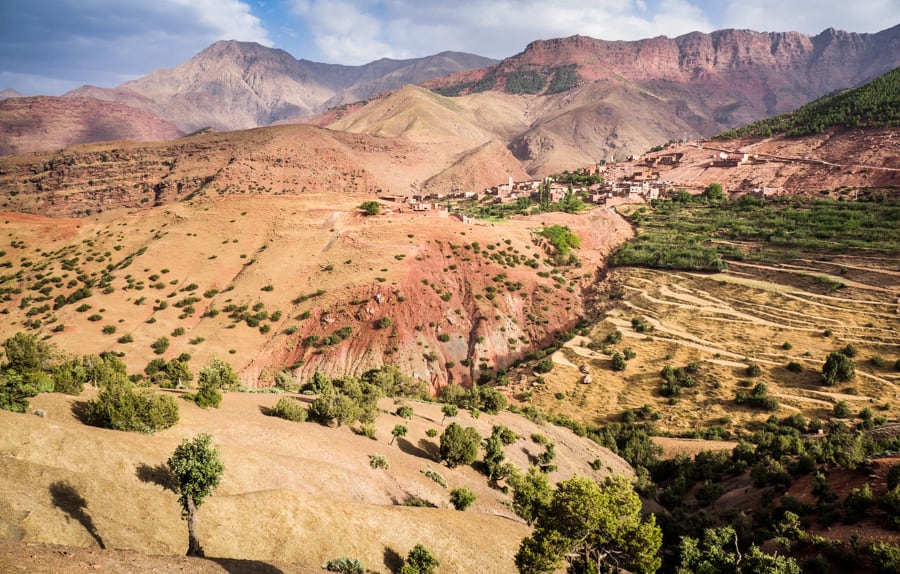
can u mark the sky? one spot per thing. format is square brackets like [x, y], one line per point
[51, 46]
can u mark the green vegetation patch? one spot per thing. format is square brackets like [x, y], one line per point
[693, 233]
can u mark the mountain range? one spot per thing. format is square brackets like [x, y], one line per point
[559, 103]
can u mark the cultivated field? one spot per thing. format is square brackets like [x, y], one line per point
[767, 315]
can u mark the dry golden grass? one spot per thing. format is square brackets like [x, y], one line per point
[293, 493]
[726, 321]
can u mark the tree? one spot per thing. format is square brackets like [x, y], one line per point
[178, 373]
[405, 412]
[714, 555]
[618, 362]
[462, 498]
[218, 374]
[592, 527]
[459, 445]
[197, 470]
[398, 431]
[370, 207]
[449, 411]
[531, 494]
[25, 352]
[713, 192]
[838, 368]
[419, 561]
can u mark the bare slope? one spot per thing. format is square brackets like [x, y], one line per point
[233, 253]
[292, 492]
[40, 123]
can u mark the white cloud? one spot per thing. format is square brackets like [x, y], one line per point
[356, 31]
[812, 16]
[105, 42]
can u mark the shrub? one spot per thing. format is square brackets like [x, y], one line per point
[378, 461]
[794, 367]
[289, 409]
[618, 362]
[404, 412]
[841, 410]
[208, 396]
[419, 561]
[119, 407]
[370, 207]
[857, 503]
[893, 477]
[179, 331]
[850, 351]
[443, 337]
[838, 368]
[126, 338]
[886, 557]
[462, 498]
[543, 366]
[753, 370]
[160, 345]
[345, 565]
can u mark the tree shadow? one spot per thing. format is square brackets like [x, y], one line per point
[159, 475]
[392, 560]
[411, 449]
[433, 450]
[238, 566]
[67, 499]
[79, 411]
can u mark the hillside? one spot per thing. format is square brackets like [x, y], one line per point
[308, 488]
[40, 123]
[875, 104]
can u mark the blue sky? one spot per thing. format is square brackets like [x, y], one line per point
[52, 46]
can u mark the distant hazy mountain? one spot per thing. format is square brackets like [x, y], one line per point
[238, 85]
[9, 93]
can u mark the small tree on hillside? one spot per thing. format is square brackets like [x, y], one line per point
[197, 471]
[25, 352]
[838, 368]
[398, 431]
[448, 411]
[370, 207]
[419, 561]
[459, 445]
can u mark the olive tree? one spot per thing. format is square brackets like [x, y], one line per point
[197, 470]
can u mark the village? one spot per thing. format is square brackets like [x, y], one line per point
[636, 179]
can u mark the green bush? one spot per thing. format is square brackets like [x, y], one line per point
[419, 561]
[886, 557]
[289, 409]
[160, 345]
[345, 566]
[119, 406]
[462, 498]
[378, 461]
[838, 368]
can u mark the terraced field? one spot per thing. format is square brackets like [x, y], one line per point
[768, 315]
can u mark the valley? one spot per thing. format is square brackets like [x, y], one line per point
[420, 318]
